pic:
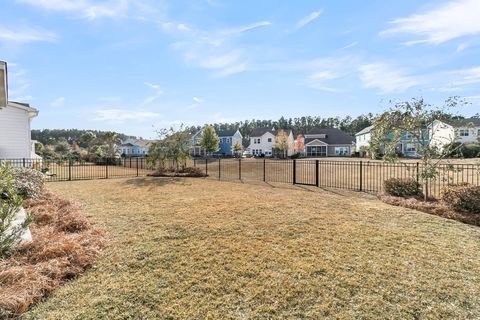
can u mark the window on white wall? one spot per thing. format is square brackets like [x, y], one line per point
[269, 139]
[463, 132]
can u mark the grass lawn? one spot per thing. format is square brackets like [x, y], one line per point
[199, 248]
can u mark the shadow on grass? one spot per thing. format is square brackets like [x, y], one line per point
[155, 181]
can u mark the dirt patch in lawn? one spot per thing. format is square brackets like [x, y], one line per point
[64, 245]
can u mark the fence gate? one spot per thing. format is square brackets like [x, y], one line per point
[305, 172]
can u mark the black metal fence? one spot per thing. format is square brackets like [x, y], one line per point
[367, 176]
[71, 169]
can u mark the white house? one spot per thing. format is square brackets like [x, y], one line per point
[15, 134]
[262, 141]
[363, 138]
[448, 131]
[134, 147]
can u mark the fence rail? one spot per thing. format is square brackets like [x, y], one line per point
[367, 176]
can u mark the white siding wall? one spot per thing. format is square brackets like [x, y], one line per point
[264, 144]
[362, 140]
[441, 134]
[15, 140]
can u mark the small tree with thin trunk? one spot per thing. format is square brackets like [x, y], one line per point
[171, 145]
[111, 140]
[237, 148]
[299, 143]
[413, 121]
[210, 141]
[281, 142]
[88, 139]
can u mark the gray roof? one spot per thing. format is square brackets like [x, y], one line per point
[366, 130]
[464, 122]
[226, 133]
[332, 136]
[258, 132]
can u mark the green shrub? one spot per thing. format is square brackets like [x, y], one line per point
[462, 197]
[402, 187]
[10, 204]
[28, 182]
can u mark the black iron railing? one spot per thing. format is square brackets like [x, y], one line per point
[367, 176]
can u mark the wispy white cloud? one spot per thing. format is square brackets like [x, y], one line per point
[25, 34]
[158, 92]
[59, 102]
[306, 20]
[197, 100]
[350, 45]
[123, 115]
[451, 20]
[91, 9]
[215, 50]
[386, 78]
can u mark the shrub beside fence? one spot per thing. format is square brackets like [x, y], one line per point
[368, 176]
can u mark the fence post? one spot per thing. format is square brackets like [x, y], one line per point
[219, 168]
[106, 168]
[24, 164]
[317, 182]
[361, 176]
[194, 162]
[294, 171]
[264, 169]
[418, 172]
[69, 169]
[137, 167]
[206, 166]
[239, 168]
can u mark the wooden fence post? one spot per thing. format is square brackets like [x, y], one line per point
[317, 179]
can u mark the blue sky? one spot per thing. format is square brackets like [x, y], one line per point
[136, 65]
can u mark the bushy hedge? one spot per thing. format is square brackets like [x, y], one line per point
[402, 187]
[462, 197]
[28, 182]
[10, 203]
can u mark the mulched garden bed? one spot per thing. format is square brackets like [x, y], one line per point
[64, 245]
[433, 207]
[181, 172]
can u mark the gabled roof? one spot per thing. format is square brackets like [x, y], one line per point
[226, 133]
[366, 130]
[23, 106]
[258, 132]
[127, 145]
[332, 136]
[463, 122]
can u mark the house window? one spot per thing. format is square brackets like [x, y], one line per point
[463, 132]
[478, 133]
[410, 147]
[341, 151]
[269, 139]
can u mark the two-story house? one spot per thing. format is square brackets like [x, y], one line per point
[228, 138]
[15, 120]
[445, 132]
[328, 142]
[262, 141]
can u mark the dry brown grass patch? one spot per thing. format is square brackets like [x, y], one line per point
[64, 245]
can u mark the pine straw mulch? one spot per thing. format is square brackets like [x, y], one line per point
[432, 206]
[64, 245]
